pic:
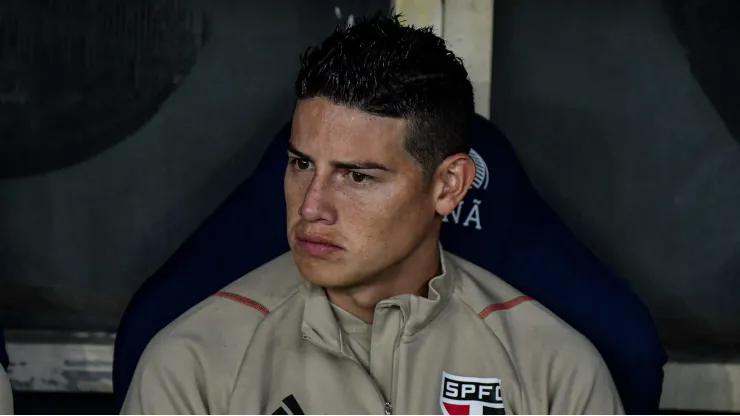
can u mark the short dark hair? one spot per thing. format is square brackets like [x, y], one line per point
[385, 68]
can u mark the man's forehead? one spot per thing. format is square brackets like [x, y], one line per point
[321, 125]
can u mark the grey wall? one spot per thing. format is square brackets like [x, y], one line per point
[600, 103]
[76, 243]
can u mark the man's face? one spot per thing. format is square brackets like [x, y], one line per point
[357, 203]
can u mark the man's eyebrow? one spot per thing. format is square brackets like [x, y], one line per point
[359, 165]
[298, 153]
[350, 165]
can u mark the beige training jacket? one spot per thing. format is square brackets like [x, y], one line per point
[271, 343]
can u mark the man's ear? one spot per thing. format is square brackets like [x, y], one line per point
[454, 177]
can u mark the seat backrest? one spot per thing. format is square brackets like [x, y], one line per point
[502, 225]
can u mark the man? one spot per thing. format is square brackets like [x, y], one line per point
[367, 314]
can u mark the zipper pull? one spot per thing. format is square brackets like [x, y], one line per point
[388, 408]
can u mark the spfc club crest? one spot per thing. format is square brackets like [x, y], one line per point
[471, 396]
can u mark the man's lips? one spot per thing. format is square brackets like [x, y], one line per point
[317, 245]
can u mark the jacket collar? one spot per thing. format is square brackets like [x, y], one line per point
[320, 325]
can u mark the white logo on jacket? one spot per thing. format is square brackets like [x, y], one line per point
[471, 395]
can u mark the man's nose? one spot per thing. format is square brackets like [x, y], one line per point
[317, 203]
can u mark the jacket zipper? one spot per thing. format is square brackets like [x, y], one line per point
[387, 405]
[393, 375]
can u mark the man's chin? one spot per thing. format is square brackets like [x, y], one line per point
[323, 273]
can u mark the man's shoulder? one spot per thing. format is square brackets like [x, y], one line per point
[266, 287]
[230, 316]
[200, 352]
[544, 348]
[500, 305]
[481, 290]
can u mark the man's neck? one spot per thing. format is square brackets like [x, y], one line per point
[410, 276]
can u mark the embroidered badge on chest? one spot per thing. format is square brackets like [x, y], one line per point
[471, 395]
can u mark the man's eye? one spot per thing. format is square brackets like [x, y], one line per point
[301, 164]
[359, 177]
